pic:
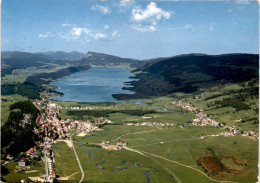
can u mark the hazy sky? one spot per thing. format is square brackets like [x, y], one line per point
[131, 28]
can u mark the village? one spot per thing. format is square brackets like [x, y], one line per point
[51, 129]
[202, 119]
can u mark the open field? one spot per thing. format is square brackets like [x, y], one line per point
[175, 153]
[66, 163]
[5, 104]
[184, 146]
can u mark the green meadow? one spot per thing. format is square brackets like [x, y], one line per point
[6, 101]
[173, 152]
[66, 164]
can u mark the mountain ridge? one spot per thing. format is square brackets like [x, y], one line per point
[191, 72]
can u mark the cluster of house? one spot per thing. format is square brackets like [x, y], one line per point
[250, 134]
[150, 124]
[106, 145]
[185, 106]
[83, 108]
[51, 126]
[225, 134]
[51, 163]
[30, 154]
[84, 128]
[202, 120]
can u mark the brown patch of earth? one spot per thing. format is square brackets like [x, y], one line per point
[210, 164]
[235, 161]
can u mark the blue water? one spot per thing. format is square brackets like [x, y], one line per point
[94, 85]
[135, 165]
[130, 162]
[90, 151]
[99, 164]
[146, 175]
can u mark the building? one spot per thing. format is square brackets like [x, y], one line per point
[23, 162]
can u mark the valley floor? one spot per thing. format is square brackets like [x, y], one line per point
[163, 144]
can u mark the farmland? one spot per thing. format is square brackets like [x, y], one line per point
[164, 152]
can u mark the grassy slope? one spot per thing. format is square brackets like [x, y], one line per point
[220, 114]
[66, 163]
[183, 146]
[6, 104]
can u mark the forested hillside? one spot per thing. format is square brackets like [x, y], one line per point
[189, 73]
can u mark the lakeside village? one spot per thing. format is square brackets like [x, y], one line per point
[51, 128]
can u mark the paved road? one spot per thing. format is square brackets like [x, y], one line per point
[46, 164]
[77, 158]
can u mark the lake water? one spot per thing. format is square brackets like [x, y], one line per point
[94, 85]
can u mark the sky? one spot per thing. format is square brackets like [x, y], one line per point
[130, 28]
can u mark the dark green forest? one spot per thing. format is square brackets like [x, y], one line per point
[18, 136]
[189, 73]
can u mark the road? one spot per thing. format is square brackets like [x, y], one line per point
[46, 164]
[77, 158]
[146, 153]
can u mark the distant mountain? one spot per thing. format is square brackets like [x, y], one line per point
[189, 73]
[61, 55]
[11, 60]
[100, 59]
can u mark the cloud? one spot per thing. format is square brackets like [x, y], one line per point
[242, 1]
[43, 35]
[77, 31]
[115, 34]
[151, 13]
[147, 19]
[124, 3]
[46, 35]
[229, 10]
[188, 26]
[66, 25]
[105, 10]
[106, 27]
[143, 28]
[98, 36]
[82, 33]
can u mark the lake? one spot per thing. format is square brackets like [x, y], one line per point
[94, 85]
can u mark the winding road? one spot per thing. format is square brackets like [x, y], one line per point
[146, 153]
[77, 158]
